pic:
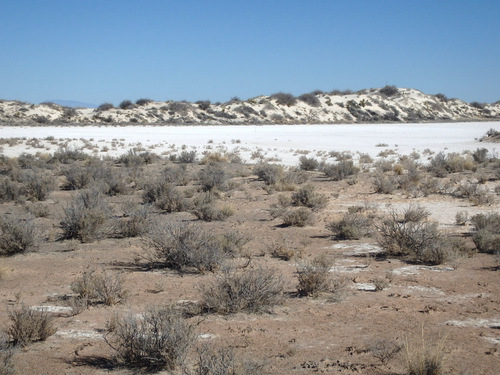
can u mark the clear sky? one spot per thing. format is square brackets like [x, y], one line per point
[99, 51]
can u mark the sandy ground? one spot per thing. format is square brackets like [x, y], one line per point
[283, 143]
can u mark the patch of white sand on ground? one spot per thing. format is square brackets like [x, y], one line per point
[484, 323]
[280, 142]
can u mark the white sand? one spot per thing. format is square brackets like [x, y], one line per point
[280, 142]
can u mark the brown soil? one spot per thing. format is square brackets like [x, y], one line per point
[458, 302]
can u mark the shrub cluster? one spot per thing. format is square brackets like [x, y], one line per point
[487, 235]
[29, 325]
[352, 226]
[99, 288]
[17, 236]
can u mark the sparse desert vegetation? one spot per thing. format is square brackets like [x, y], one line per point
[197, 262]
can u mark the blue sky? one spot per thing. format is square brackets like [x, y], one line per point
[99, 51]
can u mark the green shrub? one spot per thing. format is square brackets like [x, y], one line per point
[17, 235]
[29, 325]
[252, 290]
[159, 339]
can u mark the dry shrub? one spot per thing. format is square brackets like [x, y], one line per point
[87, 216]
[7, 366]
[99, 288]
[280, 250]
[10, 190]
[29, 325]
[307, 197]
[38, 184]
[415, 213]
[416, 241]
[183, 247]
[314, 277]
[164, 195]
[461, 217]
[213, 177]
[308, 164]
[251, 290]
[222, 361]
[352, 226]
[300, 217]
[385, 184]
[17, 235]
[136, 220]
[487, 236]
[384, 350]
[423, 357]
[271, 174]
[204, 207]
[159, 339]
[340, 170]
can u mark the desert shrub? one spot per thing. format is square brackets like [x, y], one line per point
[437, 165]
[487, 235]
[231, 242]
[340, 170]
[307, 197]
[187, 157]
[126, 104]
[271, 174]
[143, 101]
[183, 247]
[416, 241]
[461, 217]
[136, 220]
[222, 361]
[459, 163]
[158, 339]
[176, 174]
[203, 104]
[38, 184]
[164, 195]
[29, 325]
[389, 90]
[384, 350]
[134, 158]
[284, 99]
[384, 184]
[251, 290]
[308, 164]
[310, 99]
[10, 190]
[77, 177]
[281, 207]
[280, 250]
[17, 236]
[415, 213]
[105, 107]
[295, 176]
[300, 217]
[7, 366]
[480, 155]
[99, 288]
[204, 208]
[314, 277]
[86, 217]
[352, 226]
[474, 193]
[68, 155]
[423, 357]
[213, 177]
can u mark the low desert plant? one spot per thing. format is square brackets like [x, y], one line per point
[308, 164]
[212, 177]
[314, 277]
[252, 290]
[300, 217]
[187, 157]
[384, 350]
[284, 99]
[487, 235]
[205, 208]
[389, 90]
[183, 247]
[352, 226]
[164, 195]
[126, 104]
[38, 184]
[310, 99]
[29, 325]
[159, 339]
[17, 236]
[271, 174]
[136, 220]
[7, 365]
[384, 184]
[340, 170]
[105, 107]
[424, 357]
[461, 217]
[86, 217]
[99, 288]
[307, 197]
[415, 213]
